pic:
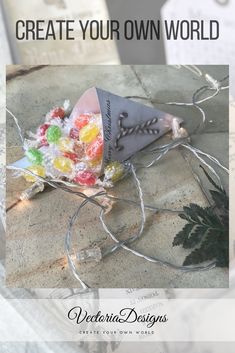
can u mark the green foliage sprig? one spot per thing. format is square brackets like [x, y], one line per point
[206, 230]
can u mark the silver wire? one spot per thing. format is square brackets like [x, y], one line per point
[18, 126]
[150, 258]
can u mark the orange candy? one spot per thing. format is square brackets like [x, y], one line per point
[95, 149]
[82, 120]
[72, 156]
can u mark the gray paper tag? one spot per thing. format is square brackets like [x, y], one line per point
[128, 126]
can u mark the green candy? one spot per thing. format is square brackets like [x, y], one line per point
[53, 134]
[114, 171]
[34, 156]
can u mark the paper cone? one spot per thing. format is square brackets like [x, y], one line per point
[128, 126]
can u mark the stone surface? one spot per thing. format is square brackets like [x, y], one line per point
[35, 255]
[169, 84]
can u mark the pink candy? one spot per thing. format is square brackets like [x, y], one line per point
[74, 133]
[85, 178]
[42, 132]
[42, 129]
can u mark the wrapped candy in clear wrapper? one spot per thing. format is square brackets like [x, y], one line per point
[89, 146]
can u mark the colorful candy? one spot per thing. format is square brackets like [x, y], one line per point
[88, 133]
[43, 142]
[95, 149]
[42, 129]
[57, 113]
[34, 156]
[36, 169]
[63, 164]
[65, 144]
[85, 178]
[114, 171]
[42, 134]
[74, 133]
[82, 120]
[78, 148]
[71, 148]
[72, 156]
[94, 163]
[53, 134]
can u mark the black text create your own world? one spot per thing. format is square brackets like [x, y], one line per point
[115, 30]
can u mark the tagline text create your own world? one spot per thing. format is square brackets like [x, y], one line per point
[115, 30]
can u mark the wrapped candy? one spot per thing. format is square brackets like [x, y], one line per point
[38, 170]
[53, 134]
[34, 156]
[63, 164]
[68, 148]
[95, 149]
[85, 178]
[114, 171]
[88, 133]
[89, 146]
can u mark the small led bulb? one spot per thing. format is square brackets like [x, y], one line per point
[89, 254]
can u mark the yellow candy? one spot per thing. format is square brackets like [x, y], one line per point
[65, 144]
[63, 164]
[95, 162]
[114, 171]
[88, 133]
[36, 169]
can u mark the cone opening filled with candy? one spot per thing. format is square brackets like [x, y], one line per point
[90, 144]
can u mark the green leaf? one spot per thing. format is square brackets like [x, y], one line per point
[196, 257]
[220, 199]
[198, 210]
[207, 228]
[211, 219]
[189, 211]
[181, 237]
[184, 216]
[195, 237]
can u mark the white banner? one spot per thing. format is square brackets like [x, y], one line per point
[75, 319]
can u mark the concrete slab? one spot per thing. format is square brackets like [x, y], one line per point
[35, 254]
[217, 145]
[167, 83]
